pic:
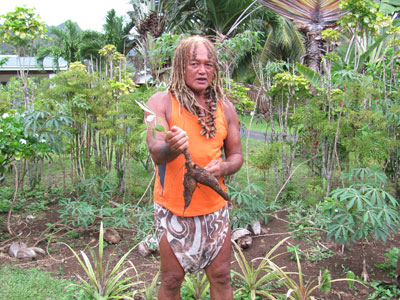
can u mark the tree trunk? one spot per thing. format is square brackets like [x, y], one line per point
[314, 48]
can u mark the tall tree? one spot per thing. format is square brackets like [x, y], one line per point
[116, 33]
[66, 44]
[312, 17]
[19, 29]
[209, 17]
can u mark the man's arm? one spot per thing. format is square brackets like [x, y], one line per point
[165, 146]
[232, 146]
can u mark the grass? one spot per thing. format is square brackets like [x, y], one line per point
[259, 125]
[18, 283]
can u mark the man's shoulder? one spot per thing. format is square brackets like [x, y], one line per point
[162, 96]
[229, 109]
[227, 104]
[160, 103]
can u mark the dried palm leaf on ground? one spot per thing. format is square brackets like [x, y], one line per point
[194, 175]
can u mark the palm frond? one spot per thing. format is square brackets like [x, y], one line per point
[322, 12]
[311, 75]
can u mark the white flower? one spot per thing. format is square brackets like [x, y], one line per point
[252, 113]
[1, 130]
[35, 135]
[5, 115]
[43, 141]
[22, 141]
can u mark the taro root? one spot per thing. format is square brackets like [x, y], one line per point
[196, 174]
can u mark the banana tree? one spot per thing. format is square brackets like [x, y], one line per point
[312, 17]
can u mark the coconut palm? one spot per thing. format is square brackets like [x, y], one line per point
[310, 16]
[66, 43]
[116, 33]
[209, 17]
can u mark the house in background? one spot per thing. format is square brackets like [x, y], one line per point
[11, 67]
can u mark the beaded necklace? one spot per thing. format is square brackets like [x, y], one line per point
[206, 118]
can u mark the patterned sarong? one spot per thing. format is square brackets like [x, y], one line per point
[195, 241]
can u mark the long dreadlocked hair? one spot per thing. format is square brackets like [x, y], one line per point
[184, 95]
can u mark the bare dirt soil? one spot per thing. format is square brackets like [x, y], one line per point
[60, 261]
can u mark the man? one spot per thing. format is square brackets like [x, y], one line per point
[197, 119]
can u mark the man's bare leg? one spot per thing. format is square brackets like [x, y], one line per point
[218, 273]
[172, 273]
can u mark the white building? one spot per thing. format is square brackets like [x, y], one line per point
[13, 64]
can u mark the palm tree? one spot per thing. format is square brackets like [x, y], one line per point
[92, 42]
[116, 33]
[66, 43]
[312, 17]
[209, 17]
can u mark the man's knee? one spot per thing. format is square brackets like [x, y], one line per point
[220, 276]
[172, 280]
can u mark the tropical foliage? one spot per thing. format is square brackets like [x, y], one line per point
[320, 78]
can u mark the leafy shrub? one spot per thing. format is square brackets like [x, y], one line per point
[96, 189]
[359, 211]
[248, 207]
[384, 292]
[144, 221]
[16, 143]
[266, 157]
[238, 95]
[391, 257]
[83, 214]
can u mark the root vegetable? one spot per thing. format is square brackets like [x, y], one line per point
[196, 174]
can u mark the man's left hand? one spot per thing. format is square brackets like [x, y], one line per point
[216, 168]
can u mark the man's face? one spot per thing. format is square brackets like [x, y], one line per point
[199, 70]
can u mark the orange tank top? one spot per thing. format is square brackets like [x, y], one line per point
[168, 187]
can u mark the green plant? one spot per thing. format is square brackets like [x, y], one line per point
[15, 143]
[144, 221]
[254, 278]
[83, 214]
[33, 284]
[366, 176]
[6, 194]
[104, 284]
[298, 289]
[264, 158]
[76, 213]
[248, 206]
[96, 189]
[383, 292]
[195, 287]
[303, 218]
[318, 253]
[238, 94]
[350, 275]
[148, 291]
[359, 211]
[391, 257]
[294, 252]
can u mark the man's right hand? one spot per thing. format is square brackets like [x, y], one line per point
[176, 140]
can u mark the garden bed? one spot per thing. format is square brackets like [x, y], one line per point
[315, 252]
